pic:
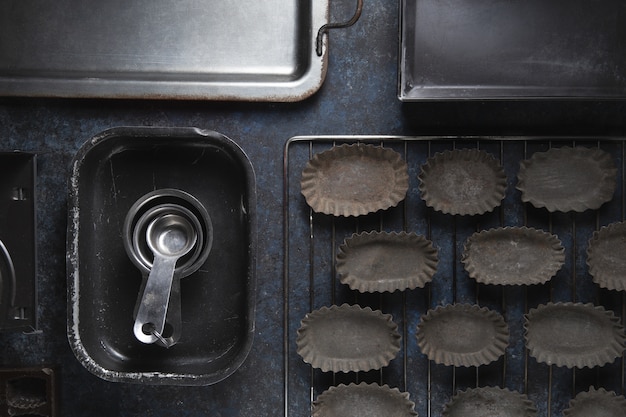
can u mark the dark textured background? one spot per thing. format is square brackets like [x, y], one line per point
[357, 97]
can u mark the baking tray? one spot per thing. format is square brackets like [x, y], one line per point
[192, 49]
[519, 49]
[110, 172]
[311, 281]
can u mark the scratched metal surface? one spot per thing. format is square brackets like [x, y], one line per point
[194, 49]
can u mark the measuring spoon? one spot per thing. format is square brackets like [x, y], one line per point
[169, 237]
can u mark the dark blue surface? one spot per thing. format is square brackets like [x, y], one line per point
[358, 97]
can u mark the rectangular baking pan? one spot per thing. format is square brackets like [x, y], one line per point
[192, 49]
[518, 49]
[112, 171]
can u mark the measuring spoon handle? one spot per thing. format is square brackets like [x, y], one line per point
[154, 301]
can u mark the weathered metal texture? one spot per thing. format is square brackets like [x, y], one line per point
[197, 49]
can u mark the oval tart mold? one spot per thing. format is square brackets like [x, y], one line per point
[489, 402]
[568, 179]
[462, 335]
[605, 256]
[363, 400]
[573, 335]
[347, 338]
[354, 180]
[462, 182]
[513, 256]
[596, 403]
[386, 262]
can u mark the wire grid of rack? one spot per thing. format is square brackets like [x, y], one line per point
[310, 281]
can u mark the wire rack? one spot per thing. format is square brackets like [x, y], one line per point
[310, 281]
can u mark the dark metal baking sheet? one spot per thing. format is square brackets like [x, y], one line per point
[518, 49]
[191, 49]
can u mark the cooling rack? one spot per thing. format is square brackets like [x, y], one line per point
[310, 281]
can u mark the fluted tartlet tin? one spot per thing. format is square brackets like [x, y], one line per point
[463, 182]
[489, 402]
[354, 180]
[596, 403]
[462, 335]
[568, 179]
[347, 338]
[513, 256]
[573, 335]
[605, 256]
[386, 262]
[363, 400]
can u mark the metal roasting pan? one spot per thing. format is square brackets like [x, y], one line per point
[192, 49]
[519, 49]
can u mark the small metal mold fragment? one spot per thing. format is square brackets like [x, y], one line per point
[354, 180]
[573, 335]
[363, 400]
[462, 335]
[386, 262]
[605, 256]
[18, 243]
[596, 403]
[462, 182]
[513, 256]
[348, 338]
[489, 402]
[568, 179]
[29, 392]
